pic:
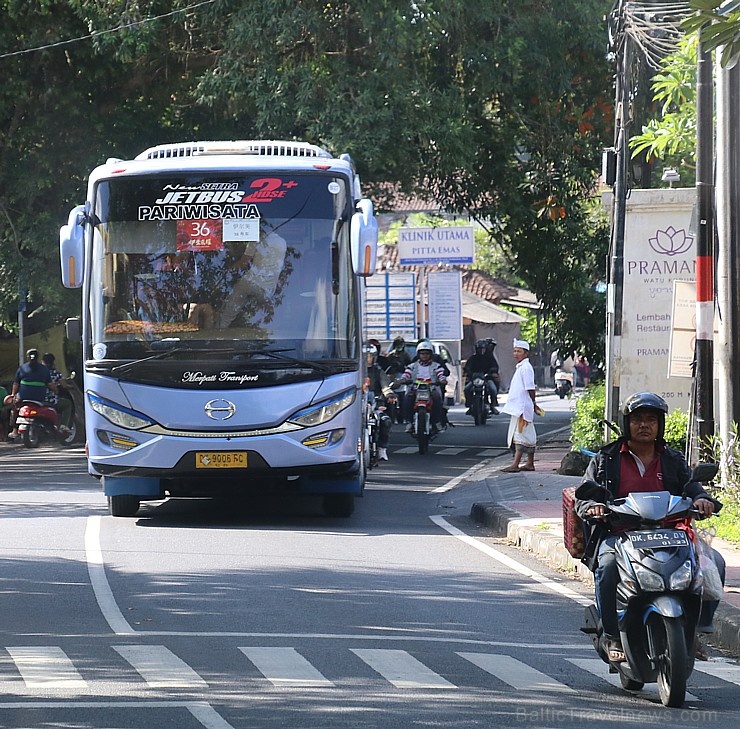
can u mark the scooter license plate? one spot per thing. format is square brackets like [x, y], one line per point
[220, 459]
[659, 538]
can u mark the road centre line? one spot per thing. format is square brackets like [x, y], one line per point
[512, 564]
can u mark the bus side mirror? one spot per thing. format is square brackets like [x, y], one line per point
[73, 329]
[364, 239]
[72, 248]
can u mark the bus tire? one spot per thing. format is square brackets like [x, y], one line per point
[123, 505]
[339, 505]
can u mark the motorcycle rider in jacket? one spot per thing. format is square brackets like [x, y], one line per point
[638, 461]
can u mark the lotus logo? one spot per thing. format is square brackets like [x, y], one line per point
[671, 242]
[219, 409]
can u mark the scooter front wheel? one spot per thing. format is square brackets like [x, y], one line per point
[671, 658]
[421, 431]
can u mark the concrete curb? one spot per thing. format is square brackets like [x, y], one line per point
[544, 539]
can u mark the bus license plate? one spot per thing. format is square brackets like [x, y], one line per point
[660, 538]
[221, 459]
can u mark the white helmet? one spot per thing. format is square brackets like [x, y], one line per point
[424, 346]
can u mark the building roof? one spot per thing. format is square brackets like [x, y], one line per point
[477, 309]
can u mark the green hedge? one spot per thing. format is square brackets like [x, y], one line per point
[587, 433]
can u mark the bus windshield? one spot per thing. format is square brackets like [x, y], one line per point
[212, 260]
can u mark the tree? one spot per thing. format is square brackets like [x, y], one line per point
[496, 107]
[719, 24]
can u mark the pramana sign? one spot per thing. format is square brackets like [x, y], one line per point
[659, 250]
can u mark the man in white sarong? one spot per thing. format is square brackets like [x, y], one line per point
[521, 407]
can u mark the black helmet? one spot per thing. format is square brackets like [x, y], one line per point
[646, 401]
[48, 359]
[399, 343]
[481, 344]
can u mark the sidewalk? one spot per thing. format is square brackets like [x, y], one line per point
[527, 508]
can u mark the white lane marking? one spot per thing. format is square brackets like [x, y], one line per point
[202, 711]
[406, 449]
[511, 563]
[719, 669]
[598, 668]
[160, 667]
[401, 669]
[208, 716]
[46, 667]
[449, 451]
[285, 667]
[462, 477]
[99, 582]
[516, 674]
[490, 452]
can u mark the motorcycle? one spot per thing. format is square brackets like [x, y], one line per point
[479, 407]
[36, 420]
[563, 383]
[659, 592]
[422, 415]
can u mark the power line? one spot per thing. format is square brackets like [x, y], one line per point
[117, 29]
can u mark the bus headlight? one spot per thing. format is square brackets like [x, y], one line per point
[117, 414]
[324, 411]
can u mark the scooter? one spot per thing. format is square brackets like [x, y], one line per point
[36, 420]
[563, 383]
[659, 591]
[479, 407]
[422, 415]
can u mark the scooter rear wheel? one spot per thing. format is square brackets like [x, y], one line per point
[31, 436]
[672, 659]
[629, 684]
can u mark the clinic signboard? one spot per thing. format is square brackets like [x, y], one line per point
[429, 246]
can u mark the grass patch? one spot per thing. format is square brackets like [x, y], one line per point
[726, 524]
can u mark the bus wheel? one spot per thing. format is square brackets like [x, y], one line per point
[123, 505]
[339, 505]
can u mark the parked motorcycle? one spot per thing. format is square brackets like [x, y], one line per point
[659, 592]
[36, 420]
[422, 415]
[563, 383]
[479, 407]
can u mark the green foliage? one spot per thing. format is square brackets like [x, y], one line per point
[718, 29]
[672, 136]
[676, 429]
[585, 429]
[727, 486]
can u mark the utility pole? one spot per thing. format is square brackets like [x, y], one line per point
[615, 284]
[704, 350]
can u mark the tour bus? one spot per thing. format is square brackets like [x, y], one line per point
[221, 326]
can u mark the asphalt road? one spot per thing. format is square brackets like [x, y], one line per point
[241, 616]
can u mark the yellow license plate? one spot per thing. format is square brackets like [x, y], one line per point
[221, 459]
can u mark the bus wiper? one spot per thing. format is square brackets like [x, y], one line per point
[160, 355]
[278, 354]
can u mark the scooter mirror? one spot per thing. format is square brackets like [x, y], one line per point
[704, 472]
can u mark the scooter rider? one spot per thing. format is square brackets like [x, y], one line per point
[638, 461]
[426, 369]
[31, 382]
[63, 405]
[485, 362]
[380, 387]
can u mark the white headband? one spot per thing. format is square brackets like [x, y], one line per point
[521, 344]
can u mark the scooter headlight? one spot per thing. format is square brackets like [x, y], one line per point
[681, 578]
[649, 581]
